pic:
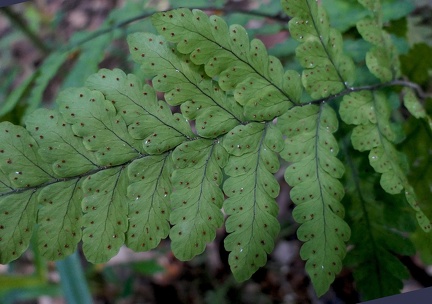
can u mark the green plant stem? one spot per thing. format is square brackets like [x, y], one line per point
[19, 22]
[397, 82]
[107, 30]
[59, 180]
[277, 17]
[73, 281]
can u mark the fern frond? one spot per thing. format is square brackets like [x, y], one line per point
[382, 59]
[186, 84]
[377, 235]
[226, 53]
[311, 148]
[197, 198]
[251, 189]
[84, 156]
[370, 112]
[327, 69]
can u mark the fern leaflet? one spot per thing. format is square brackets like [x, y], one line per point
[149, 208]
[370, 112]
[18, 221]
[60, 218]
[251, 189]
[382, 60]
[197, 198]
[327, 70]
[415, 107]
[105, 213]
[314, 172]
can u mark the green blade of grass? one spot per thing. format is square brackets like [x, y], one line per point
[73, 281]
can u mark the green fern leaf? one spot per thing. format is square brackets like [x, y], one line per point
[25, 167]
[149, 205]
[21, 163]
[103, 130]
[370, 30]
[377, 136]
[57, 144]
[379, 64]
[382, 60]
[186, 84]
[251, 189]
[105, 214]
[95, 134]
[226, 52]
[327, 69]
[19, 168]
[372, 5]
[415, 107]
[59, 219]
[197, 198]
[317, 192]
[18, 217]
[146, 117]
[376, 235]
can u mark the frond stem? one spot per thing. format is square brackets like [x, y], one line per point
[20, 23]
[398, 82]
[278, 17]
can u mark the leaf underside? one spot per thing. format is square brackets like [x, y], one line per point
[113, 165]
[311, 149]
